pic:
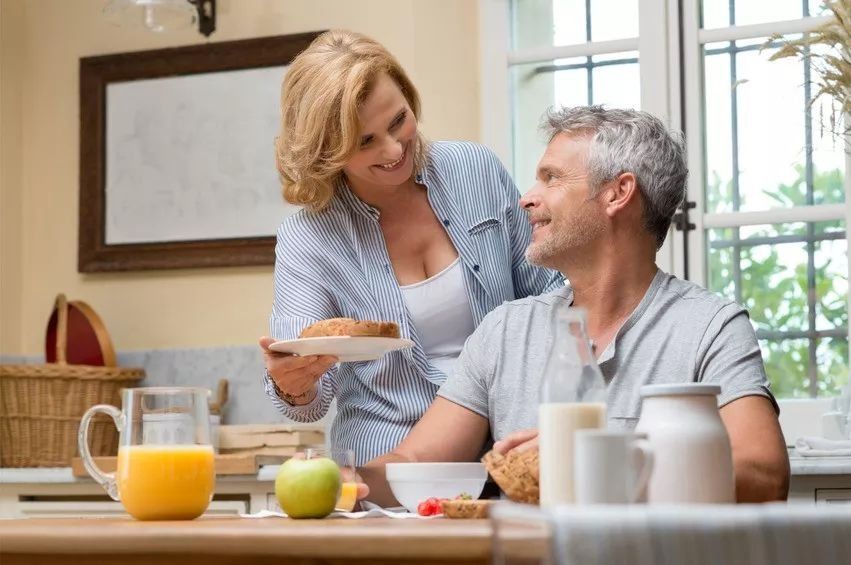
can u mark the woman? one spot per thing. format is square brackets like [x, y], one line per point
[429, 236]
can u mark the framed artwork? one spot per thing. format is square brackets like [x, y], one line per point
[177, 166]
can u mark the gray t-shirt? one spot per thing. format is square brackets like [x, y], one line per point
[679, 332]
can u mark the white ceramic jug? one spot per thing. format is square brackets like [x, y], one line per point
[693, 460]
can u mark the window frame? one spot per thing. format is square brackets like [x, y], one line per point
[670, 46]
[658, 52]
[694, 39]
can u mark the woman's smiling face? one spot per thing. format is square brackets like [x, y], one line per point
[387, 139]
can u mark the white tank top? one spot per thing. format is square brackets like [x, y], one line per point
[440, 309]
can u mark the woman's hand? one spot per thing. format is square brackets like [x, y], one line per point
[295, 376]
[518, 441]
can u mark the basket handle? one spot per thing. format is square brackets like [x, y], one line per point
[61, 328]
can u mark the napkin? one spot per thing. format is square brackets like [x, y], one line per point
[373, 512]
[710, 534]
[821, 447]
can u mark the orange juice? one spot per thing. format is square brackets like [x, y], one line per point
[348, 497]
[165, 482]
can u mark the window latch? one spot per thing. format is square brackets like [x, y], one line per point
[681, 220]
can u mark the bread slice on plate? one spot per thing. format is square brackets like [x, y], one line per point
[351, 327]
[466, 509]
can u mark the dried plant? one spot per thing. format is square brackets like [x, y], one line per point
[832, 65]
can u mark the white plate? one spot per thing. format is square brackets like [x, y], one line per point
[345, 348]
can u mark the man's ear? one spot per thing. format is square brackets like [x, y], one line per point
[620, 193]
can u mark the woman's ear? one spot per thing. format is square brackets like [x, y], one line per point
[620, 192]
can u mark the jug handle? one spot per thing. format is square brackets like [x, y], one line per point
[641, 448]
[106, 480]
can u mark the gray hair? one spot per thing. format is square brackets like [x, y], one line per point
[630, 141]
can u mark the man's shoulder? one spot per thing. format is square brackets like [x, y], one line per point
[681, 298]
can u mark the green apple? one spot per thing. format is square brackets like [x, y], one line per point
[308, 488]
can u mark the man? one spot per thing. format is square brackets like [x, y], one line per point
[607, 188]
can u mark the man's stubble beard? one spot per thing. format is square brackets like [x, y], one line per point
[565, 237]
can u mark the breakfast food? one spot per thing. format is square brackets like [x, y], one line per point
[462, 506]
[515, 473]
[430, 506]
[350, 327]
[466, 509]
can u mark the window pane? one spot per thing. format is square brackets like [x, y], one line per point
[832, 359]
[786, 363]
[793, 279]
[828, 149]
[542, 23]
[771, 148]
[617, 85]
[831, 270]
[817, 8]
[532, 92]
[716, 13]
[569, 22]
[613, 19]
[565, 82]
[719, 134]
[774, 286]
[571, 85]
[759, 11]
[761, 267]
[756, 114]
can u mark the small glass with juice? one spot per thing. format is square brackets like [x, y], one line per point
[345, 460]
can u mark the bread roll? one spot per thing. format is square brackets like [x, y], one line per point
[515, 473]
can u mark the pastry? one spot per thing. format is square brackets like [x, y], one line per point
[465, 509]
[350, 327]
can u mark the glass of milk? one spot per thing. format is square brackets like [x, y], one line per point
[573, 397]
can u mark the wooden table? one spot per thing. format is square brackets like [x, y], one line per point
[231, 541]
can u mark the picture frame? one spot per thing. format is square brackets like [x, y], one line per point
[166, 181]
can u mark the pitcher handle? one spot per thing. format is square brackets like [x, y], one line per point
[106, 480]
[642, 450]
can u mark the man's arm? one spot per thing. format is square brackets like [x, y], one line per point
[446, 432]
[760, 460]
[733, 360]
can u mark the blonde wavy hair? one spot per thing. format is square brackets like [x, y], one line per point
[320, 96]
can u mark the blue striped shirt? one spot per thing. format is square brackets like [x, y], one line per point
[335, 264]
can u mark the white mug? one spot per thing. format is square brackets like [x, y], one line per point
[610, 467]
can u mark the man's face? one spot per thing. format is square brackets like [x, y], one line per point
[565, 218]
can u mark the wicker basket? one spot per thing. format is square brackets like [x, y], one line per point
[41, 406]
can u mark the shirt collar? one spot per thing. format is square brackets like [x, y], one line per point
[351, 200]
[609, 353]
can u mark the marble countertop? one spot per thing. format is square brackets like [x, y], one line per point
[819, 465]
[47, 475]
[800, 466]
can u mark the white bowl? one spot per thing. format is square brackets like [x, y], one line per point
[413, 483]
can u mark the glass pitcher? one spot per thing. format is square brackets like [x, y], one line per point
[573, 397]
[165, 467]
